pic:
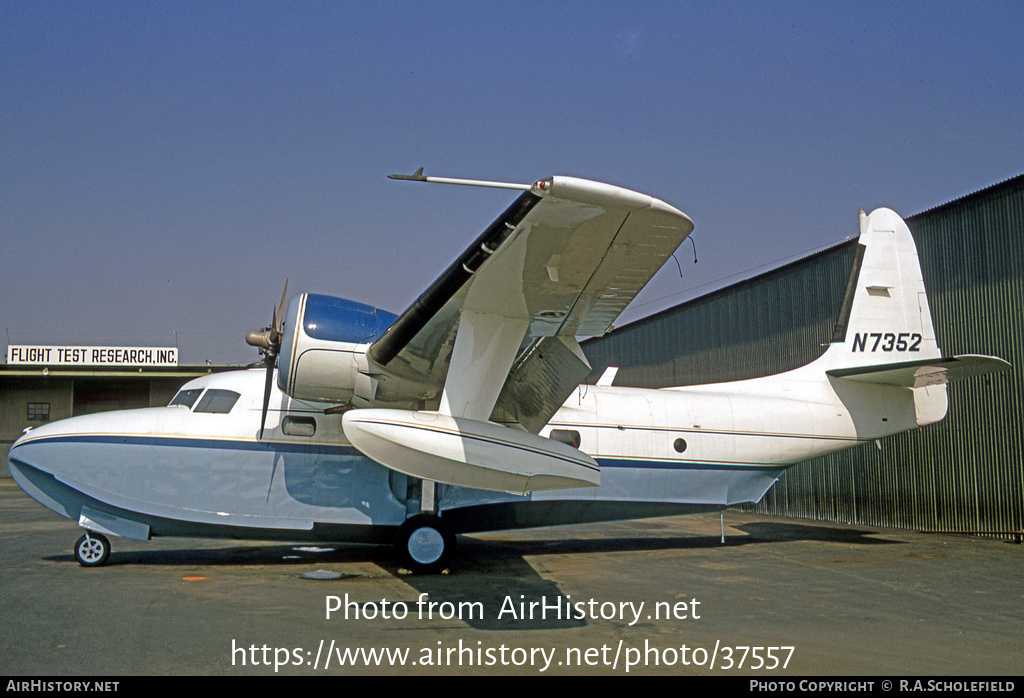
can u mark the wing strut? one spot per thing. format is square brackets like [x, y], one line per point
[485, 347]
[417, 176]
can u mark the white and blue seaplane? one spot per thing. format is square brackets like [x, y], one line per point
[465, 413]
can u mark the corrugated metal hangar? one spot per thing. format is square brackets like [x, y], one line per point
[963, 474]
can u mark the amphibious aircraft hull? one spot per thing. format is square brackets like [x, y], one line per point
[129, 474]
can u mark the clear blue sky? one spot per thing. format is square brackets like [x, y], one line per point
[164, 166]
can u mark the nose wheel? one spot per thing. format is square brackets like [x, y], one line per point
[92, 550]
[426, 544]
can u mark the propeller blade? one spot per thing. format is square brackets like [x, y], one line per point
[266, 393]
[276, 329]
[270, 341]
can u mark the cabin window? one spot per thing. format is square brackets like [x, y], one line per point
[186, 397]
[566, 436]
[39, 412]
[298, 426]
[217, 401]
[679, 445]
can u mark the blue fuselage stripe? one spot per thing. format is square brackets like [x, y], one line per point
[323, 449]
[682, 465]
[193, 442]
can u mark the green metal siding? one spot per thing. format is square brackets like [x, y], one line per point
[963, 474]
[774, 322]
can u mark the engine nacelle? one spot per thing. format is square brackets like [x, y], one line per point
[323, 345]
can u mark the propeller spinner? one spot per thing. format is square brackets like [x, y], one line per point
[268, 341]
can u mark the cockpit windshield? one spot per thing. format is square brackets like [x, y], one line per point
[217, 401]
[186, 397]
[214, 401]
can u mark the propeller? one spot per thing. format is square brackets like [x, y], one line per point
[268, 340]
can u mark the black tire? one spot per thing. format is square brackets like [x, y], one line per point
[426, 544]
[92, 550]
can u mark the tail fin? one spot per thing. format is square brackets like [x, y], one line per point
[885, 317]
[884, 334]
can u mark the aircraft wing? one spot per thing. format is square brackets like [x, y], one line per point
[494, 337]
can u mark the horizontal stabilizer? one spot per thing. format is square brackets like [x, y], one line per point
[924, 372]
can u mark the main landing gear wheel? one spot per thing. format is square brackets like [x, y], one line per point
[92, 550]
[426, 544]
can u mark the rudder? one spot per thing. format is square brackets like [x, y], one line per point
[885, 316]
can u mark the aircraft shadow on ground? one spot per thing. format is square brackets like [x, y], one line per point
[489, 554]
[779, 531]
[491, 574]
[270, 554]
[478, 582]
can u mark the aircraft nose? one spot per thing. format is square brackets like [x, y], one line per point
[33, 468]
[63, 463]
[27, 450]
[63, 450]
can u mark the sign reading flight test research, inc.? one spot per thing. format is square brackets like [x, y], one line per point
[91, 356]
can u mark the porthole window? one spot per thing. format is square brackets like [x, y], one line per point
[679, 445]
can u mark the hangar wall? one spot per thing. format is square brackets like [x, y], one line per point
[963, 474]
